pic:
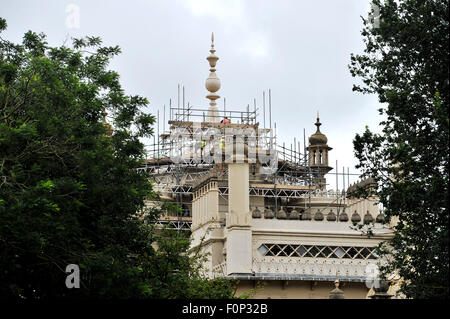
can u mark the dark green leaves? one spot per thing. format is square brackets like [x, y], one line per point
[70, 192]
[406, 63]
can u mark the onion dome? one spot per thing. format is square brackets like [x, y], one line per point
[336, 293]
[306, 215]
[268, 214]
[331, 216]
[281, 214]
[368, 218]
[318, 138]
[318, 215]
[256, 213]
[294, 214]
[355, 217]
[343, 217]
[380, 218]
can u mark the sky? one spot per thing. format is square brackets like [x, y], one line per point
[298, 49]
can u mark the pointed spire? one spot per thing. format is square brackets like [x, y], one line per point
[318, 124]
[212, 85]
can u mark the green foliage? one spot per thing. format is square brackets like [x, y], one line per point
[70, 191]
[406, 63]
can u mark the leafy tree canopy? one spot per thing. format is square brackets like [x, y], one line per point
[70, 191]
[406, 63]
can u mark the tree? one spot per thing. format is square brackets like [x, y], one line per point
[406, 63]
[70, 191]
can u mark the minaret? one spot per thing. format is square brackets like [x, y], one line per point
[212, 85]
[318, 156]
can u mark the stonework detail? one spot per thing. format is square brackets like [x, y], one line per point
[261, 211]
[312, 266]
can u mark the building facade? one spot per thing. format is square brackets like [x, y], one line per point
[262, 213]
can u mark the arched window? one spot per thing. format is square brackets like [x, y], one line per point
[320, 158]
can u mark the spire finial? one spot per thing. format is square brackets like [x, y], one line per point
[318, 123]
[212, 84]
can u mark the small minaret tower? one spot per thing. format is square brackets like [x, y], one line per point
[318, 156]
[212, 85]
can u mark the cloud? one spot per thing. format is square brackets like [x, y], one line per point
[232, 15]
[255, 45]
[229, 12]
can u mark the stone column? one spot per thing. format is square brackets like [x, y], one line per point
[239, 236]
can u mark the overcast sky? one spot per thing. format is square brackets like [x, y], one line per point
[298, 49]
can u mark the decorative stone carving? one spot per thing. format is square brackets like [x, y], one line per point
[294, 214]
[380, 218]
[355, 217]
[318, 216]
[256, 213]
[281, 214]
[368, 218]
[331, 216]
[268, 214]
[306, 215]
[343, 217]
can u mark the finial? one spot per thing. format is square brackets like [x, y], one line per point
[318, 123]
[212, 84]
[336, 293]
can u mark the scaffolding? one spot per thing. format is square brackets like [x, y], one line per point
[286, 178]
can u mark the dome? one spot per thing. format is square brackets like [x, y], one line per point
[331, 217]
[268, 213]
[380, 218]
[306, 215]
[256, 213]
[318, 215]
[355, 217]
[281, 214]
[294, 214]
[368, 218]
[343, 217]
[318, 138]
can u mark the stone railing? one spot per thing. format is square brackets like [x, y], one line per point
[312, 266]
